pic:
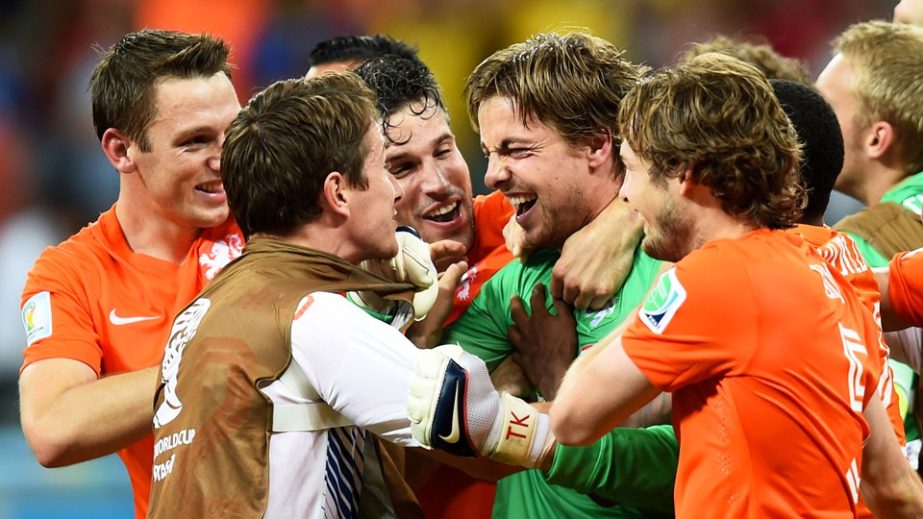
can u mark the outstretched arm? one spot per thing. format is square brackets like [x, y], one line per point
[69, 416]
[890, 321]
[889, 484]
[597, 259]
[601, 389]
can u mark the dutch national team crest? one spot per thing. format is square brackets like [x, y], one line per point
[663, 303]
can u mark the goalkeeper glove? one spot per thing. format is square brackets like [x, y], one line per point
[454, 407]
[412, 264]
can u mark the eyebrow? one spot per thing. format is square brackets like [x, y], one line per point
[185, 134]
[508, 143]
[447, 136]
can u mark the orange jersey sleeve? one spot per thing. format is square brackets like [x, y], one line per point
[905, 285]
[491, 214]
[765, 351]
[93, 300]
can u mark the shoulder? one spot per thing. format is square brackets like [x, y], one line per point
[334, 310]
[79, 258]
[327, 317]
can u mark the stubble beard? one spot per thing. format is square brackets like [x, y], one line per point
[673, 238]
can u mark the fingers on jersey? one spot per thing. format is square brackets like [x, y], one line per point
[454, 407]
[412, 264]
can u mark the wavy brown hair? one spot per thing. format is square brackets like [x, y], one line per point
[719, 116]
[888, 60]
[281, 147]
[572, 82]
[758, 53]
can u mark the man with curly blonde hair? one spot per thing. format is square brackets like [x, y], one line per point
[712, 167]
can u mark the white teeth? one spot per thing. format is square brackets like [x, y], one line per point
[210, 188]
[444, 210]
[520, 199]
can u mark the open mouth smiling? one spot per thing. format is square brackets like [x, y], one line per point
[444, 214]
[522, 203]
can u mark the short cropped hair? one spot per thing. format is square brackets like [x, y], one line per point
[821, 139]
[283, 145]
[573, 83]
[359, 48]
[887, 59]
[719, 116]
[401, 82]
[123, 84]
[760, 54]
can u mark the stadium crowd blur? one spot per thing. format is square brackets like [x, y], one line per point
[54, 179]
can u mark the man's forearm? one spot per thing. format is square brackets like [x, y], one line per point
[636, 467]
[86, 420]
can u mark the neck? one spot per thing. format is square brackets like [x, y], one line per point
[601, 194]
[713, 223]
[878, 179]
[320, 237]
[151, 234]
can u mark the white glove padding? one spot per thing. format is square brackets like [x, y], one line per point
[412, 264]
[454, 407]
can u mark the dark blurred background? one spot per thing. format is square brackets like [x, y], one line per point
[54, 178]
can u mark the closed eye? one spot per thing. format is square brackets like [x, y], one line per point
[519, 153]
[196, 140]
[399, 170]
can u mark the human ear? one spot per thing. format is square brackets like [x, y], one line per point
[336, 194]
[116, 147]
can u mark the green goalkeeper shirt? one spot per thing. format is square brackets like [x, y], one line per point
[482, 330]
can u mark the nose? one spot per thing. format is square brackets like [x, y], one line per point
[497, 174]
[625, 187]
[214, 159]
[436, 181]
[214, 163]
[398, 190]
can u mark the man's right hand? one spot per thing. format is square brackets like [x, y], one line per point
[545, 344]
[454, 407]
[428, 332]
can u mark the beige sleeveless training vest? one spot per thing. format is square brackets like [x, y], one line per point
[212, 424]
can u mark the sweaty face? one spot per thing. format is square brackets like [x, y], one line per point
[424, 160]
[372, 215]
[836, 83]
[547, 180]
[180, 172]
[668, 234]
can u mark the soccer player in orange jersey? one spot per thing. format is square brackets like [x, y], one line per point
[97, 308]
[765, 349]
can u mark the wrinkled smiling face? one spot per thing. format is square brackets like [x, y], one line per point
[423, 159]
[541, 174]
[181, 169]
